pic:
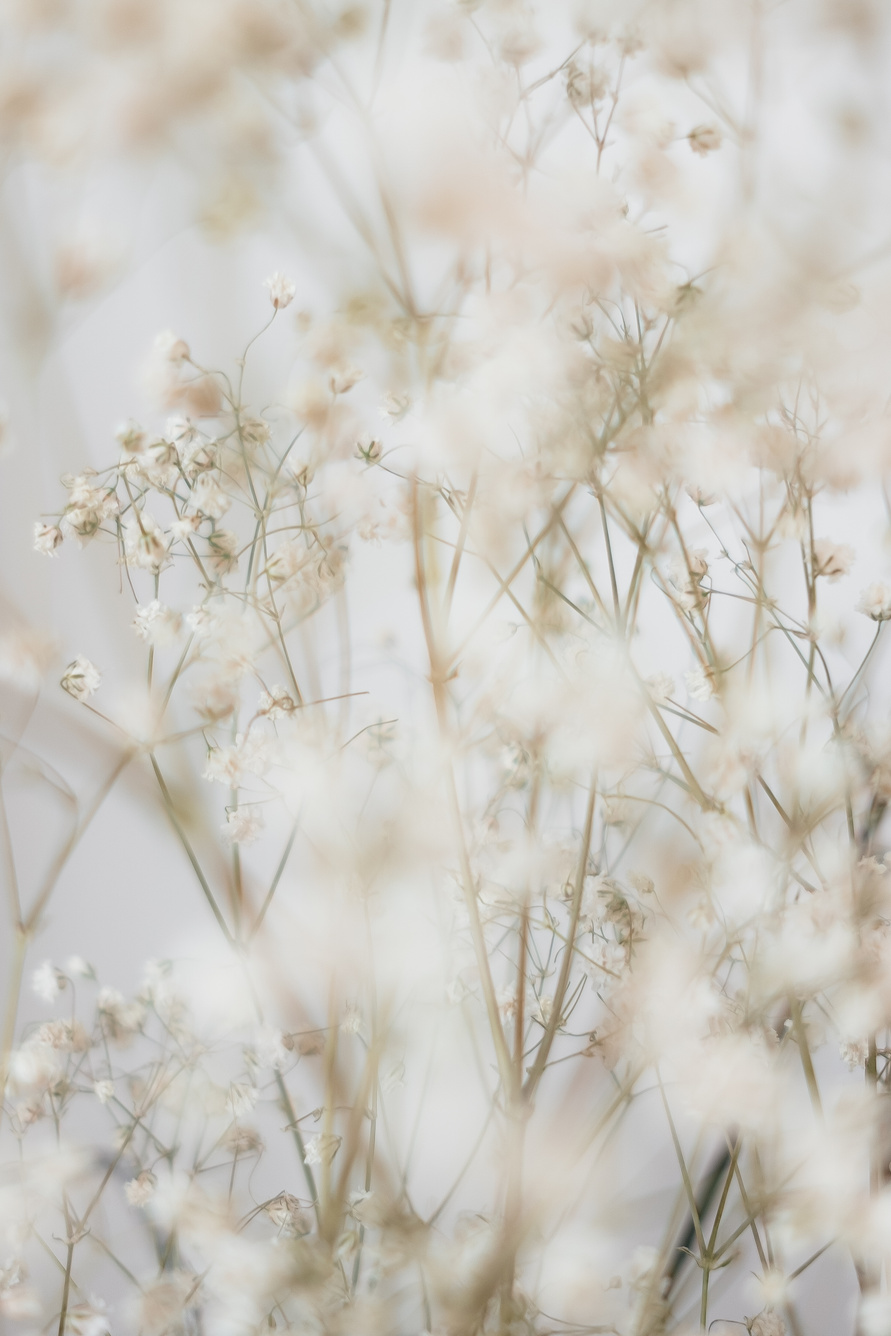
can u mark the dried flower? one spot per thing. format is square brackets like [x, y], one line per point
[281, 290]
[47, 538]
[322, 1148]
[47, 981]
[141, 1189]
[832, 560]
[704, 139]
[875, 602]
[157, 624]
[81, 679]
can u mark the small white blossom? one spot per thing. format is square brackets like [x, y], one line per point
[47, 538]
[275, 702]
[875, 602]
[170, 347]
[145, 543]
[269, 1048]
[81, 679]
[241, 1098]
[243, 825]
[700, 684]
[322, 1148]
[103, 1090]
[768, 1324]
[281, 290]
[47, 982]
[662, 688]
[157, 624]
[853, 1052]
[208, 498]
[832, 560]
[141, 1189]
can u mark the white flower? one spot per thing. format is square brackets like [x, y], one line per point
[275, 702]
[157, 624]
[832, 560]
[853, 1052]
[141, 1189]
[700, 684]
[321, 1149]
[281, 290]
[662, 688]
[170, 347]
[768, 1324]
[243, 825]
[103, 1090]
[241, 1098]
[208, 498]
[81, 678]
[46, 982]
[47, 538]
[875, 602]
[269, 1047]
[145, 543]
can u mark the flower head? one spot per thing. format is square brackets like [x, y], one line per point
[281, 290]
[81, 679]
[875, 602]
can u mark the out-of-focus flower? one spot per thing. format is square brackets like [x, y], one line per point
[141, 1189]
[832, 560]
[875, 602]
[704, 139]
[281, 290]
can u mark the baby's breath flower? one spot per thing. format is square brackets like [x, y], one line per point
[322, 1148]
[103, 1090]
[47, 981]
[700, 684]
[287, 1214]
[208, 498]
[241, 1098]
[170, 347]
[704, 139]
[275, 703]
[81, 679]
[141, 1189]
[132, 438]
[223, 544]
[281, 290]
[120, 1020]
[157, 624]
[662, 688]
[875, 602]
[47, 537]
[342, 379]
[832, 560]
[767, 1323]
[243, 825]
